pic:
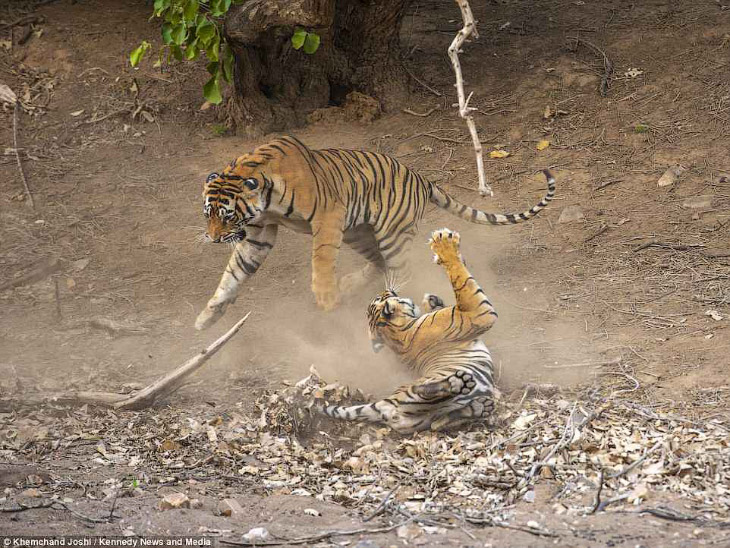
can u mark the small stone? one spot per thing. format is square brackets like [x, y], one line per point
[714, 314]
[312, 512]
[257, 534]
[228, 508]
[671, 176]
[175, 500]
[570, 214]
[367, 544]
[698, 202]
[33, 492]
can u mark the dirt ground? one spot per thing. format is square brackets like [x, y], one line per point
[632, 298]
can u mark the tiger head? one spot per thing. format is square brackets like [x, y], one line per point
[235, 198]
[388, 316]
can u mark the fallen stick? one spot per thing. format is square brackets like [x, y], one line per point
[665, 245]
[36, 274]
[607, 65]
[7, 95]
[146, 397]
[469, 29]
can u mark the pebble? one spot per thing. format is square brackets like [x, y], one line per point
[257, 534]
[570, 214]
[671, 176]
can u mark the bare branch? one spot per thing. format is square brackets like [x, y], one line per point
[469, 29]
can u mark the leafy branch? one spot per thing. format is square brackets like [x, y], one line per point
[193, 27]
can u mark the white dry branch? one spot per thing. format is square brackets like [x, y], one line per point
[164, 386]
[469, 29]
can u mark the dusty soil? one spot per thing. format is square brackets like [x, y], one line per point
[617, 300]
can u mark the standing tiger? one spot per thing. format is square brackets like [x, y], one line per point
[367, 200]
[442, 346]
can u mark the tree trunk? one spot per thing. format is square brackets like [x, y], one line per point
[276, 86]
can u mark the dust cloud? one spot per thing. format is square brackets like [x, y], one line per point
[526, 342]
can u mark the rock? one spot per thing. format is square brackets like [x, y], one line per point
[671, 176]
[714, 314]
[175, 500]
[32, 492]
[570, 214]
[257, 534]
[698, 202]
[312, 512]
[408, 532]
[229, 508]
[367, 544]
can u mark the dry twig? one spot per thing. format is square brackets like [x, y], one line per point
[147, 396]
[469, 29]
[7, 95]
[607, 65]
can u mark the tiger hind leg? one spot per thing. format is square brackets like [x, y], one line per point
[460, 382]
[362, 241]
[478, 408]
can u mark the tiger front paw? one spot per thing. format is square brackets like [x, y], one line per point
[445, 246]
[210, 314]
[327, 298]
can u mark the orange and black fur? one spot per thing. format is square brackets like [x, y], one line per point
[367, 200]
[442, 346]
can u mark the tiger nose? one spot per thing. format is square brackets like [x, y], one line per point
[215, 240]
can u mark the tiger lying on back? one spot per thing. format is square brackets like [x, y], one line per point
[443, 346]
[365, 199]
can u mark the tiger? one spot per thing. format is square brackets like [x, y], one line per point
[442, 345]
[367, 200]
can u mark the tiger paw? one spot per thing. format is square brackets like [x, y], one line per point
[445, 245]
[327, 300]
[462, 382]
[210, 315]
[431, 302]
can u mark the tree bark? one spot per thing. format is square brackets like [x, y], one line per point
[276, 86]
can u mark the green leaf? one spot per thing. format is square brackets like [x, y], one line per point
[219, 7]
[298, 38]
[179, 34]
[160, 6]
[213, 49]
[177, 52]
[311, 43]
[206, 31]
[227, 64]
[191, 52]
[212, 68]
[167, 33]
[190, 10]
[212, 91]
[137, 53]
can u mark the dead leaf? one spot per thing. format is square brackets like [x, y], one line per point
[542, 145]
[498, 154]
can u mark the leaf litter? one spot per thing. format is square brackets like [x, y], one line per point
[587, 446]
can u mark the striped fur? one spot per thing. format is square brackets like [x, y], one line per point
[442, 346]
[367, 200]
